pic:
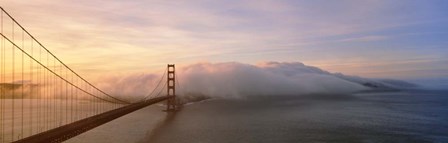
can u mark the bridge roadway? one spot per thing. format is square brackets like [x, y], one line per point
[68, 131]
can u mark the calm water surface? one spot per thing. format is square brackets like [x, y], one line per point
[412, 116]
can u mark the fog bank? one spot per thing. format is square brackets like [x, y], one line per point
[234, 80]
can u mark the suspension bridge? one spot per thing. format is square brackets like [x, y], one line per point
[44, 100]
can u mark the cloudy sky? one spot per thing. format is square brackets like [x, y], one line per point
[371, 38]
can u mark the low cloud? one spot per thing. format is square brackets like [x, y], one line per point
[235, 80]
[269, 78]
[222, 80]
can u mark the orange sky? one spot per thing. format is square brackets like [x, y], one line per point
[372, 39]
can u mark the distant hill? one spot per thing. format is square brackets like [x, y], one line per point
[294, 68]
[14, 90]
[378, 83]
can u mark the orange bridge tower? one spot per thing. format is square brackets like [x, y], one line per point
[171, 104]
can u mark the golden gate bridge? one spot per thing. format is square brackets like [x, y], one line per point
[44, 100]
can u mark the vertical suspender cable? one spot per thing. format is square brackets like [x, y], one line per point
[53, 98]
[48, 78]
[13, 84]
[77, 100]
[3, 81]
[41, 89]
[2, 62]
[61, 99]
[23, 85]
[71, 101]
[57, 98]
[44, 97]
[60, 95]
[39, 94]
[31, 90]
[66, 97]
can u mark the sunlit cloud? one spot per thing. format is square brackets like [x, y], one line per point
[341, 36]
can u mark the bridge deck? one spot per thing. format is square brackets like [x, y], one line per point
[70, 130]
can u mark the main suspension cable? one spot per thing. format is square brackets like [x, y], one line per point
[160, 81]
[48, 69]
[29, 34]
